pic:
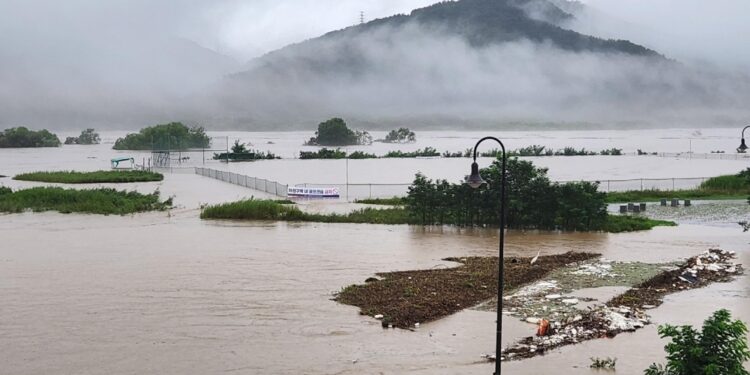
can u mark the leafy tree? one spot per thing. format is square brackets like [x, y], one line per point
[239, 148]
[172, 136]
[402, 135]
[335, 132]
[23, 137]
[87, 137]
[719, 349]
[532, 201]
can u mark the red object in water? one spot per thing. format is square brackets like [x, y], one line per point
[543, 328]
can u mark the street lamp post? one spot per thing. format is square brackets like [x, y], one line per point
[743, 147]
[475, 181]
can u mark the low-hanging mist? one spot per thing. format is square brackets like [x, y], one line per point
[418, 76]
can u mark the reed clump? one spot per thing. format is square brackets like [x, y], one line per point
[73, 177]
[93, 201]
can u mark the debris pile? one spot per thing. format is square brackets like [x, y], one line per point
[600, 322]
[560, 323]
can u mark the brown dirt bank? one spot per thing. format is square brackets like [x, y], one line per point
[407, 297]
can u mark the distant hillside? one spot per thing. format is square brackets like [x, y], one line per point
[479, 22]
[473, 63]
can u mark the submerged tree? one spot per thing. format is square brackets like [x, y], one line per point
[87, 137]
[402, 135]
[335, 132]
[719, 349]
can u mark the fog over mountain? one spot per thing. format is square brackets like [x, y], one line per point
[124, 64]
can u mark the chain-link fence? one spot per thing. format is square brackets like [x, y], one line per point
[362, 191]
[260, 184]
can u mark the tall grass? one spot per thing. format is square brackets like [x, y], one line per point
[94, 201]
[271, 210]
[624, 223]
[721, 187]
[729, 183]
[72, 177]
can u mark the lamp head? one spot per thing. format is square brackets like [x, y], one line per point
[743, 147]
[474, 179]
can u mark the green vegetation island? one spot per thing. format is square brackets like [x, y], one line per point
[534, 202]
[736, 186]
[428, 152]
[240, 152]
[335, 132]
[87, 137]
[22, 137]
[92, 201]
[172, 136]
[402, 135]
[72, 177]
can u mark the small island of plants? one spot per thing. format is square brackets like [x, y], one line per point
[92, 201]
[172, 136]
[72, 177]
[335, 132]
[241, 153]
[21, 137]
[87, 137]
[402, 135]
[534, 202]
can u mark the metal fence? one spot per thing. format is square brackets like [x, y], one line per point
[271, 187]
[361, 191]
[690, 155]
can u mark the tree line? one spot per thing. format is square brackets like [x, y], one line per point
[532, 201]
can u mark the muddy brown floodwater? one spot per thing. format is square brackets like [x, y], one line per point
[163, 294]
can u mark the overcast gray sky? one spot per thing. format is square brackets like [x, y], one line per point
[710, 30]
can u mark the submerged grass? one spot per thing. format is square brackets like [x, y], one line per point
[94, 201]
[394, 201]
[72, 177]
[271, 210]
[716, 188]
[625, 223]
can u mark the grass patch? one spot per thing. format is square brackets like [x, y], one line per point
[408, 297]
[94, 201]
[394, 201]
[735, 186]
[253, 209]
[72, 177]
[657, 195]
[625, 223]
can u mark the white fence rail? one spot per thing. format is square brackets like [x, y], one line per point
[267, 186]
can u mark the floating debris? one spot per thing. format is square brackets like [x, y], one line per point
[624, 313]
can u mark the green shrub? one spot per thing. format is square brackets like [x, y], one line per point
[335, 132]
[625, 223]
[96, 201]
[427, 152]
[402, 135]
[71, 177]
[87, 137]
[172, 136]
[719, 349]
[726, 183]
[5, 190]
[23, 137]
[323, 153]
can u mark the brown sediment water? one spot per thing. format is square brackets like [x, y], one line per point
[175, 295]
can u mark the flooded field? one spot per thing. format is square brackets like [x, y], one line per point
[168, 293]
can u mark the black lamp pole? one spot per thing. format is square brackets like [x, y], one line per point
[743, 147]
[475, 181]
